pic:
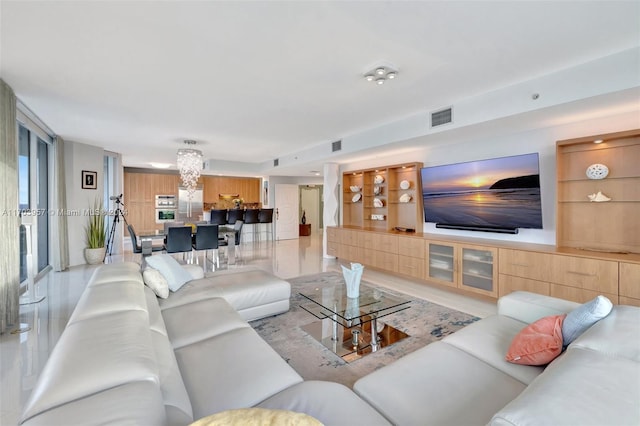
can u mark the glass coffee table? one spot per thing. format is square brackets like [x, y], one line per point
[351, 327]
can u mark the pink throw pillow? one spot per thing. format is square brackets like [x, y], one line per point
[539, 343]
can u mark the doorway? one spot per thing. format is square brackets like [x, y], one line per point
[311, 205]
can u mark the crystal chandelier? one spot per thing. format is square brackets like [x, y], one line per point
[189, 164]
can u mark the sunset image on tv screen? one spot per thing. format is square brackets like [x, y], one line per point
[500, 192]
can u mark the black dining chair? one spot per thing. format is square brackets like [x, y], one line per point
[251, 218]
[237, 231]
[137, 245]
[168, 225]
[218, 217]
[206, 238]
[179, 241]
[266, 216]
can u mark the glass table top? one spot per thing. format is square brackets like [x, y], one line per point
[350, 327]
[332, 302]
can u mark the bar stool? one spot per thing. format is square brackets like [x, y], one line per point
[251, 218]
[234, 215]
[218, 217]
[266, 216]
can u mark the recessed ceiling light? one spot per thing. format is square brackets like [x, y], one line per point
[380, 74]
[598, 141]
[160, 165]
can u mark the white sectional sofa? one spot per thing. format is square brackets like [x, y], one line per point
[125, 358]
[464, 378]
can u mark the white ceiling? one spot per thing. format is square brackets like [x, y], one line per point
[252, 81]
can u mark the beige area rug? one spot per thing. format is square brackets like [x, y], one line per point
[424, 322]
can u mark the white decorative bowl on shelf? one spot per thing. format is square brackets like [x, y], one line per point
[597, 171]
[377, 190]
[405, 198]
[378, 179]
[356, 198]
[405, 184]
[377, 202]
[354, 188]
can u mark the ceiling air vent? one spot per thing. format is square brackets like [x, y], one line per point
[441, 117]
[336, 146]
[276, 162]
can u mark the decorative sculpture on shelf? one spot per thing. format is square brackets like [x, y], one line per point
[599, 197]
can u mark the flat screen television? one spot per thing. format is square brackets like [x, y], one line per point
[494, 195]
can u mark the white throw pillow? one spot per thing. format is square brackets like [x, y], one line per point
[583, 317]
[156, 282]
[172, 271]
[195, 271]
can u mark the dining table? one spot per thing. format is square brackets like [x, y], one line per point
[149, 237]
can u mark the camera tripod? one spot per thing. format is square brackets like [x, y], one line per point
[116, 219]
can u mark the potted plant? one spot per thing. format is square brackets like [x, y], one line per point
[96, 234]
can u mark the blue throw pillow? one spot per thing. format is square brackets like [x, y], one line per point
[170, 269]
[583, 317]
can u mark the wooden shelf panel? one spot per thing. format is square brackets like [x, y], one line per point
[623, 189]
[615, 155]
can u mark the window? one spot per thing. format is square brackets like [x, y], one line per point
[33, 190]
[42, 200]
[24, 189]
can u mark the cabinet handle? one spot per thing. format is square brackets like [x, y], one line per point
[583, 274]
[524, 265]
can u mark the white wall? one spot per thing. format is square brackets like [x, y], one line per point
[296, 180]
[504, 143]
[79, 157]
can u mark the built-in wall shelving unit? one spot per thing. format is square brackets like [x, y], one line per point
[612, 225]
[597, 249]
[383, 198]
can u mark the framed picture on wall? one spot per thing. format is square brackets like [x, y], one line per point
[265, 193]
[89, 180]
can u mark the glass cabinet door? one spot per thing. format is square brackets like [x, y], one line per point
[441, 263]
[478, 270]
